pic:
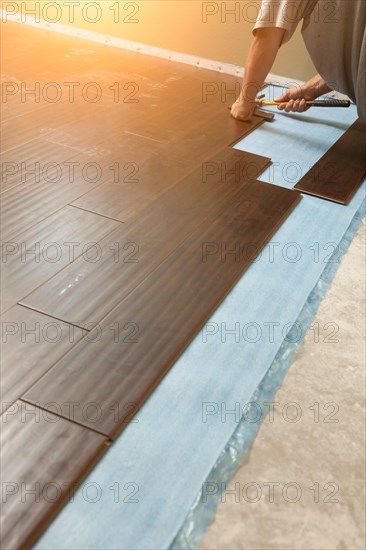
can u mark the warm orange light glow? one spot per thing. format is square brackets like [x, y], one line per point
[215, 30]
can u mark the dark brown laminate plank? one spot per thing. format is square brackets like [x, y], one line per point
[57, 59]
[165, 91]
[42, 123]
[143, 336]
[83, 124]
[47, 247]
[43, 177]
[41, 161]
[136, 248]
[52, 55]
[46, 454]
[30, 344]
[75, 77]
[160, 171]
[187, 117]
[105, 89]
[163, 114]
[31, 96]
[339, 173]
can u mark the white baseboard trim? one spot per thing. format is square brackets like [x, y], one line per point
[179, 57]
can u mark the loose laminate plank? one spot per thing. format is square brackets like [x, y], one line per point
[143, 336]
[43, 458]
[30, 344]
[339, 173]
[136, 248]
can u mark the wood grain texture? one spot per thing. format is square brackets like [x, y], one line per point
[145, 181]
[339, 173]
[40, 252]
[143, 336]
[47, 456]
[30, 344]
[28, 163]
[136, 248]
[171, 122]
[43, 177]
[41, 122]
[159, 172]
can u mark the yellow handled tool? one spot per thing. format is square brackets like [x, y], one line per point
[317, 103]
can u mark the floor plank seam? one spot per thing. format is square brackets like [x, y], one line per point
[52, 213]
[20, 303]
[81, 117]
[109, 439]
[193, 330]
[59, 271]
[93, 211]
[166, 258]
[169, 295]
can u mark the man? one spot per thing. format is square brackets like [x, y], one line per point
[334, 34]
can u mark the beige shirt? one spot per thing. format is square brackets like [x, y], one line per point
[334, 34]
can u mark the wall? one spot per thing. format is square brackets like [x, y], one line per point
[216, 30]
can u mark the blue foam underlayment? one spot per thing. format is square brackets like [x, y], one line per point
[203, 509]
[166, 456]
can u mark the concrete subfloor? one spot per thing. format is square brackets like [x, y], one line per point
[322, 455]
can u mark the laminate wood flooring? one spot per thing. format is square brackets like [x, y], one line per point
[133, 250]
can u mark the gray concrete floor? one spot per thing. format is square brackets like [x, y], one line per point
[322, 455]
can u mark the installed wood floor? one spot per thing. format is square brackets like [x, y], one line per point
[126, 219]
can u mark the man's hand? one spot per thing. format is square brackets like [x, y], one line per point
[243, 110]
[295, 99]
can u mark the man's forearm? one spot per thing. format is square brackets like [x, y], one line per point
[261, 57]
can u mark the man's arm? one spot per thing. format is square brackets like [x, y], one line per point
[262, 55]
